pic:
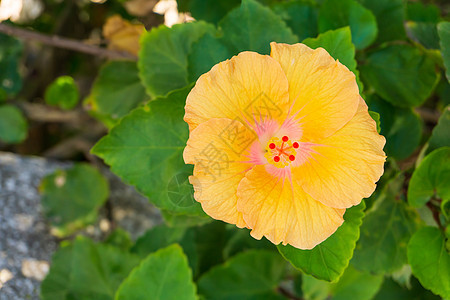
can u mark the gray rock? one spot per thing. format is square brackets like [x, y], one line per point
[26, 245]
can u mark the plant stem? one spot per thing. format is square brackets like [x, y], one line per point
[288, 294]
[435, 214]
[65, 43]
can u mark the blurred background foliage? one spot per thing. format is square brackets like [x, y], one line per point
[119, 65]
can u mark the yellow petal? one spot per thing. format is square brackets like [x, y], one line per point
[217, 149]
[247, 87]
[323, 91]
[283, 212]
[344, 168]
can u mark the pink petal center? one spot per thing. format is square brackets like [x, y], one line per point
[278, 147]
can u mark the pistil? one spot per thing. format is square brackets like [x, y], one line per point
[281, 152]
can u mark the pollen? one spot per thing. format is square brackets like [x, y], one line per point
[281, 152]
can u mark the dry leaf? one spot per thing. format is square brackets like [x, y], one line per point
[122, 35]
[140, 8]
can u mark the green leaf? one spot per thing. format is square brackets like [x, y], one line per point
[3, 95]
[376, 117]
[431, 179]
[300, 16]
[252, 27]
[98, 270]
[338, 44]
[328, 260]
[352, 285]
[430, 261]
[71, 198]
[205, 53]
[163, 275]
[402, 127]
[340, 13]
[382, 248]
[63, 92]
[240, 240]
[248, 275]
[13, 125]
[116, 91]
[401, 74]
[163, 58]
[356, 285]
[391, 290]
[84, 270]
[182, 220]
[314, 289]
[208, 10]
[209, 238]
[444, 35]
[424, 33]
[440, 137]
[56, 285]
[445, 209]
[420, 12]
[146, 150]
[156, 238]
[390, 15]
[10, 54]
[119, 238]
[197, 242]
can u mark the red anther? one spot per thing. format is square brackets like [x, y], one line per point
[285, 139]
[291, 157]
[276, 159]
[272, 146]
[295, 145]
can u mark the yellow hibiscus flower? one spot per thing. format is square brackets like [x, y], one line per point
[282, 144]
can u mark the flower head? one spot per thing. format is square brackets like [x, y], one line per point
[282, 144]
